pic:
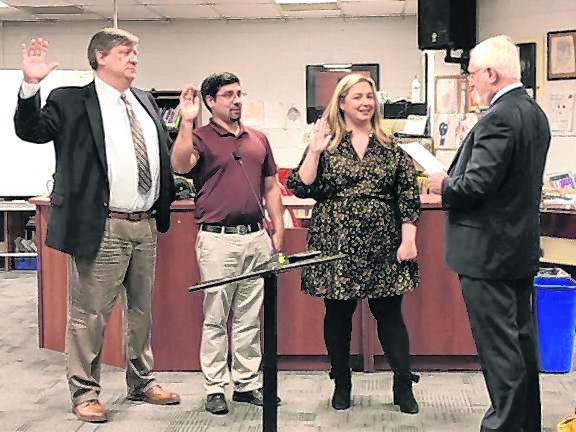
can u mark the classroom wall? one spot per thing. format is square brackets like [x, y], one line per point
[529, 21]
[269, 56]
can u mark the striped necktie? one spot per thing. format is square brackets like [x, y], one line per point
[144, 176]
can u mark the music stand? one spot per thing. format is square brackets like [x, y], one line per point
[270, 273]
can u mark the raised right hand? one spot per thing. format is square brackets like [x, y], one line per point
[33, 59]
[320, 136]
[189, 103]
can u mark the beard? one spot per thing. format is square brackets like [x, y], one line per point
[235, 116]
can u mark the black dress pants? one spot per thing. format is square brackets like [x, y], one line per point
[392, 332]
[503, 329]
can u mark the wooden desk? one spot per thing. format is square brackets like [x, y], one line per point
[435, 313]
[558, 236]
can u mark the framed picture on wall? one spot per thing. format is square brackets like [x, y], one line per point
[562, 55]
[528, 66]
[321, 81]
[450, 94]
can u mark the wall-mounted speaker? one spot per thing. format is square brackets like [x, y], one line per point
[446, 24]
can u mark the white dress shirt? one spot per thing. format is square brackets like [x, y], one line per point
[120, 153]
[505, 90]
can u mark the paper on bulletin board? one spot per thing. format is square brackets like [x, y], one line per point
[283, 115]
[450, 130]
[447, 94]
[253, 113]
[561, 111]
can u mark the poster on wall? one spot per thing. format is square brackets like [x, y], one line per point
[447, 95]
[450, 130]
[562, 55]
[561, 107]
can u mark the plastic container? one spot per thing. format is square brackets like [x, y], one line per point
[25, 263]
[555, 319]
[415, 90]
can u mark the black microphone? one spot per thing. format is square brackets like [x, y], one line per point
[238, 158]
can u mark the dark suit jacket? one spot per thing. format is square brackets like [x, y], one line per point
[492, 193]
[72, 119]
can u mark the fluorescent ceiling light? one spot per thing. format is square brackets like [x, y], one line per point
[303, 1]
[3, 5]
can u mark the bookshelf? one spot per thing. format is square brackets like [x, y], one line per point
[17, 236]
[167, 101]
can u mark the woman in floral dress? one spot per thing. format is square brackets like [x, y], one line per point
[367, 207]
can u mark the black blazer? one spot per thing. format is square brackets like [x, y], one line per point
[492, 193]
[72, 119]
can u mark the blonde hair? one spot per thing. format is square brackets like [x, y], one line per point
[498, 53]
[335, 117]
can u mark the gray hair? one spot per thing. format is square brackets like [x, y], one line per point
[105, 40]
[498, 53]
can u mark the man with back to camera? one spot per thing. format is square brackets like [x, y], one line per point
[230, 164]
[492, 197]
[113, 187]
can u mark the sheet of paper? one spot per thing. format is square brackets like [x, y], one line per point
[415, 125]
[423, 157]
[561, 111]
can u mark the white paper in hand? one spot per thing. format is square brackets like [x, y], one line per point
[423, 157]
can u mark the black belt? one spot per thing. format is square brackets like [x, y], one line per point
[236, 229]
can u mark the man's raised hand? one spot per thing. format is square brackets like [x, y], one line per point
[33, 59]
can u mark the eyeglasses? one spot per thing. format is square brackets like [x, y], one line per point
[471, 74]
[229, 95]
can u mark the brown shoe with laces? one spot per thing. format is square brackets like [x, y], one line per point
[90, 411]
[156, 395]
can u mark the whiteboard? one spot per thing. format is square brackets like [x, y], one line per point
[26, 168]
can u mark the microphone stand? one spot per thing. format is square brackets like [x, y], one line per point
[278, 256]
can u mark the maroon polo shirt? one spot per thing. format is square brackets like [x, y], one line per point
[223, 194]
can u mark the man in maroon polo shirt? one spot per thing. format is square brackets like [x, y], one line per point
[230, 235]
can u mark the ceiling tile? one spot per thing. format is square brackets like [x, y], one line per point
[239, 2]
[36, 2]
[175, 2]
[12, 14]
[372, 8]
[313, 13]
[411, 7]
[67, 2]
[211, 9]
[125, 12]
[187, 11]
[245, 10]
[69, 17]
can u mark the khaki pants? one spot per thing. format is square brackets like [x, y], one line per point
[221, 255]
[124, 264]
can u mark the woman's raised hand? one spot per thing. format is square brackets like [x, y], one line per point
[320, 136]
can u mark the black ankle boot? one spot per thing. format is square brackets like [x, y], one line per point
[402, 390]
[341, 399]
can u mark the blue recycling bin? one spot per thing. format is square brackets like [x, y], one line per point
[555, 320]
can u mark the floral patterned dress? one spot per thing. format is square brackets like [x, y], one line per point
[360, 207]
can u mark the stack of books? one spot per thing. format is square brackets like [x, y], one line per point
[171, 117]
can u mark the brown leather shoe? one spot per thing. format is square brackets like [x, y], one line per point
[156, 395]
[90, 411]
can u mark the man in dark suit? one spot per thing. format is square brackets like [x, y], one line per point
[113, 187]
[492, 196]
